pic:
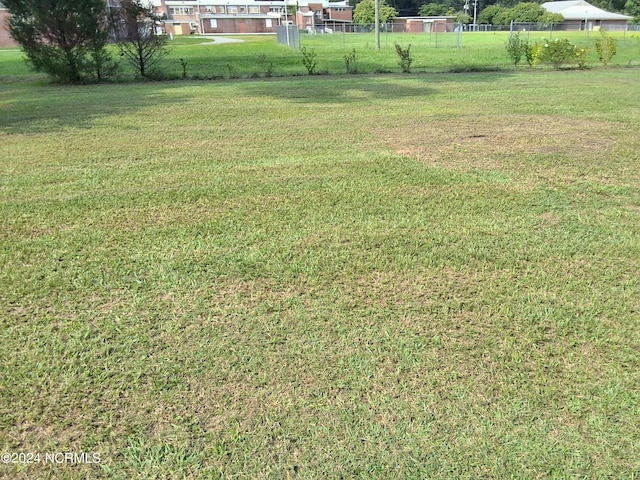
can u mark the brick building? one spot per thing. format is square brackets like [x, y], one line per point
[184, 17]
[5, 38]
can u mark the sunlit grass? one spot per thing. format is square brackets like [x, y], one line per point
[420, 276]
[261, 56]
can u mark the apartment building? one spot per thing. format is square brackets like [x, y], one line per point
[184, 17]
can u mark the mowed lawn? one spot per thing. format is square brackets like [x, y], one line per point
[377, 277]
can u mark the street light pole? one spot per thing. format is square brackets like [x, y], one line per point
[466, 8]
[475, 15]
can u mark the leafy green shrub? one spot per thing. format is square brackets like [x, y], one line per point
[581, 57]
[183, 64]
[309, 59]
[350, 62]
[532, 53]
[268, 67]
[516, 48]
[405, 59]
[558, 52]
[66, 41]
[233, 73]
[606, 47]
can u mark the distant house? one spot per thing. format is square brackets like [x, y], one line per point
[324, 15]
[424, 24]
[580, 15]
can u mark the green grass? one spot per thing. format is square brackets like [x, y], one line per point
[261, 56]
[409, 276]
[481, 50]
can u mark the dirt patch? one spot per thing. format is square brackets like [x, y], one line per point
[492, 142]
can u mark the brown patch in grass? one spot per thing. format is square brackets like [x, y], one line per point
[549, 218]
[505, 142]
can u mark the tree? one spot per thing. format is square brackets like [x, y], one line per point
[63, 38]
[529, 12]
[462, 17]
[489, 14]
[134, 29]
[525, 12]
[632, 7]
[364, 13]
[432, 9]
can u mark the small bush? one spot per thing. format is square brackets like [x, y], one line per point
[309, 59]
[606, 47]
[558, 52]
[581, 57]
[233, 73]
[532, 53]
[350, 62]
[405, 59]
[516, 48]
[268, 67]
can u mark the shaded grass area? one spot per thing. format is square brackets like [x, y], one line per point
[316, 278]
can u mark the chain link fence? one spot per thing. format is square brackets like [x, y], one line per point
[437, 37]
[449, 35]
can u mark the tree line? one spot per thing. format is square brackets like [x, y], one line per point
[407, 8]
[67, 39]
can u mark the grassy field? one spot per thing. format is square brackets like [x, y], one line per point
[381, 276]
[261, 56]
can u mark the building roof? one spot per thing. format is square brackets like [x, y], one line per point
[581, 10]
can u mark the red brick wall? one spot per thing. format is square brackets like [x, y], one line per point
[5, 38]
[240, 25]
[346, 14]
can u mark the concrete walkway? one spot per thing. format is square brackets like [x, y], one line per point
[219, 40]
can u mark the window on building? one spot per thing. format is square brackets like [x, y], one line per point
[268, 23]
[254, 9]
[276, 10]
[221, 10]
[181, 10]
[214, 23]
